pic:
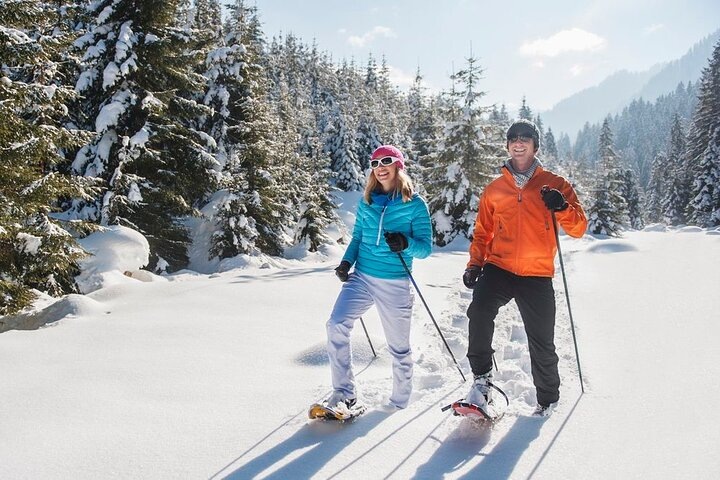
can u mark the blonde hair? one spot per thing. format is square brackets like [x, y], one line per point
[403, 185]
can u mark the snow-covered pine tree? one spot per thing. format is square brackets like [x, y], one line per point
[702, 153]
[564, 148]
[138, 98]
[307, 180]
[365, 104]
[630, 191]
[305, 183]
[607, 215]
[549, 150]
[655, 191]
[37, 250]
[208, 17]
[339, 133]
[706, 193]
[540, 126]
[423, 127]
[465, 160]
[677, 194]
[251, 215]
[390, 113]
[586, 146]
[525, 111]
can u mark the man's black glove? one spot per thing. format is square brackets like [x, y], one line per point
[396, 241]
[554, 199]
[341, 271]
[471, 276]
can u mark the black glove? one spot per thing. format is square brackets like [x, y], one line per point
[471, 276]
[554, 199]
[396, 241]
[341, 271]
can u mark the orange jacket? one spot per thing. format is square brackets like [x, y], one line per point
[513, 228]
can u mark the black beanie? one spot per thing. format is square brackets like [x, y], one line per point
[526, 128]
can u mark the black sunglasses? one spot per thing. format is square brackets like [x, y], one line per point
[520, 138]
[375, 163]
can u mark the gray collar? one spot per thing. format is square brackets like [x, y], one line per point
[522, 178]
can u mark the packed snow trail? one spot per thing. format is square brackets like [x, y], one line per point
[163, 379]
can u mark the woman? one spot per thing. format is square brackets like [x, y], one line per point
[391, 219]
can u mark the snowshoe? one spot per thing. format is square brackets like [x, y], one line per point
[492, 412]
[340, 412]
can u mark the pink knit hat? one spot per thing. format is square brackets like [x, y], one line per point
[389, 151]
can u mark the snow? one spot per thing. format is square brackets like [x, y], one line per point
[110, 112]
[110, 75]
[210, 375]
[116, 253]
[31, 243]
[134, 194]
[141, 137]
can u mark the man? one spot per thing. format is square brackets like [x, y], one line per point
[512, 256]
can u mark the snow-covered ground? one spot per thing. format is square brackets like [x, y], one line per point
[210, 376]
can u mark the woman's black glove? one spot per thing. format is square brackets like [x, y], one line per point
[396, 241]
[471, 276]
[341, 271]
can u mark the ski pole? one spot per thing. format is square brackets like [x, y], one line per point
[368, 337]
[407, 270]
[567, 295]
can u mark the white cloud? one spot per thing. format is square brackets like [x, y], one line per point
[573, 40]
[577, 69]
[400, 78]
[539, 64]
[342, 31]
[378, 31]
[653, 28]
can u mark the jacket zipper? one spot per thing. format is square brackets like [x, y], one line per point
[517, 230]
[382, 215]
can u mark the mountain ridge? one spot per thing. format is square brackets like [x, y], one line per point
[592, 104]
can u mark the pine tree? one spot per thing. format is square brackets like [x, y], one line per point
[339, 131]
[423, 127]
[340, 146]
[706, 192]
[37, 250]
[138, 94]
[305, 183]
[607, 215]
[465, 160]
[564, 148]
[677, 193]
[252, 215]
[655, 191]
[549, 148]
[208, 17]
[367, 134]
[702, 153]
[525, 111]
[540, 126]
[630, 191]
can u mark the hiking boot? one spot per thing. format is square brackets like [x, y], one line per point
[480, 393]
[544, 410]
[340, 399]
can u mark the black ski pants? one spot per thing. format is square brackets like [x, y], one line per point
[535, 298]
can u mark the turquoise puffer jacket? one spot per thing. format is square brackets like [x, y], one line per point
[368, 249]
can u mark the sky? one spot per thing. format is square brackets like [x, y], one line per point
[210, 376]
[545, 51]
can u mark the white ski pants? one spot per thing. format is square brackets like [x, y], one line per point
[394, 301]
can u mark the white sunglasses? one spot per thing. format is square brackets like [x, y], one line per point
[385, 161]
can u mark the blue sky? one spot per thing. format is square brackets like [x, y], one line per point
[543, 50]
